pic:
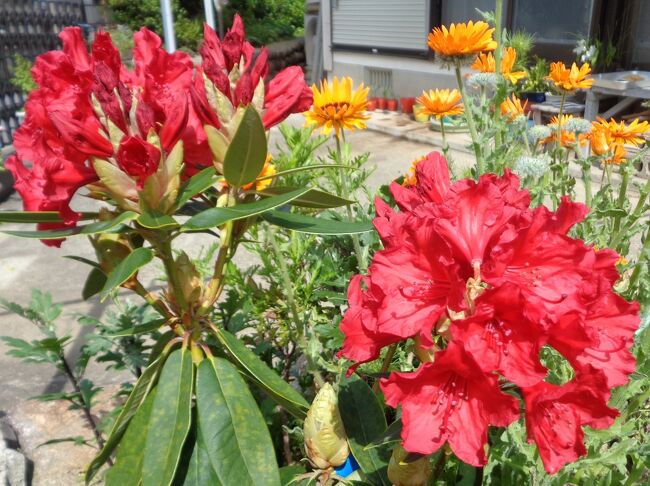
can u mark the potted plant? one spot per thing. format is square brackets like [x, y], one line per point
[407, 105]
[535, 87]
[391, 102]
[22, 79]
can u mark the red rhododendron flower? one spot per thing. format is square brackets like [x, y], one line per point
[555, 416]
[137, 158]
[481, 283]
[450, 400]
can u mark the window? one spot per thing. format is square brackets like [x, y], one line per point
[464, 10]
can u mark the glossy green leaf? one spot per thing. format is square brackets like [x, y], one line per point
[89, 229]
[288, 473]
[170, 420]
[197, 184]
[127, 470]
[200, 471]
[305, 168]
[391, 435]
[267, 379]
[232, 427]
[138, 395]
[364, 420]
[153, 220]
[37, 216]
[314, 198]
[246, 153]
[94, 283]
[137, 259]
[214, 217]
[317, 226]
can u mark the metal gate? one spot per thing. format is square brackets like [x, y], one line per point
[28, 28]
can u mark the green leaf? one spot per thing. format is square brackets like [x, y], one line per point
[134, 331]
[200, 471]
[197, 184]
[288, 473]
[37, 216]
[94, 283]
[364, 420]
[314, 198]
[170, 420]
[154, 220]
[246, 153]
[127, 470]
[89, 229]
[214, 217]
[305, 168]
[232, 427]
[390, 435]
[137, 397]
[257, 370]
[136, 259]
[317, 226]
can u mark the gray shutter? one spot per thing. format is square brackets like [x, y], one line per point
[392, 24]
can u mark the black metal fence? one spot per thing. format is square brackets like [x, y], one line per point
[28, 28]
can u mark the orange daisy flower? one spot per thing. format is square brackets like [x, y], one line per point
[567, 137]
[620, 133]
[485, 63]
[511, 108]
[462, 40]
[570, 79]
[410, 179]
[440, 102]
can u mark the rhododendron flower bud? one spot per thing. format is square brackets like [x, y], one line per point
[111, 249]
[412, 473]
[231, 78]
[189, 280]
[137, 158]
[326, 443]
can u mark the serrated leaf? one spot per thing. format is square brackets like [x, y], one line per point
[246, 153]
[278, 389]
[127, 470]
[318, 226]
[89, 229]
[170, 420]
[197, 184]
[232, 427]
[364, 420]
[137, 259]
[313, 198]
[214, 217]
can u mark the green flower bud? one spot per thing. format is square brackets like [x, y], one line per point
[414, 473]
[325, 439]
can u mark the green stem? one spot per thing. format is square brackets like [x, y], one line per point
[167, 257]
[385, 365]
[622, 192]
[469, 116]
[293, 308]
[637, 268]
[445, 146]
[633, 217]
[498, 15]
[345, 188]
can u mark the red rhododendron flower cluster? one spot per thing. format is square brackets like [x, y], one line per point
[481, 283]
[93, 122]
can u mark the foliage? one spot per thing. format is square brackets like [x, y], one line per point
[522, 42]
[146, 13]
[269, 20]
[22, 76]
[536, 73]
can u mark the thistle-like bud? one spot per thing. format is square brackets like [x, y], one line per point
[325, 439]
[412, 473]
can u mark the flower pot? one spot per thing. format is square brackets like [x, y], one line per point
[391, 105]
[407, 105]
[381, 103]
[534, 96]
[371, 105]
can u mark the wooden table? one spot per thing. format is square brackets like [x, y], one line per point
[596, 93]
[553, 108]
